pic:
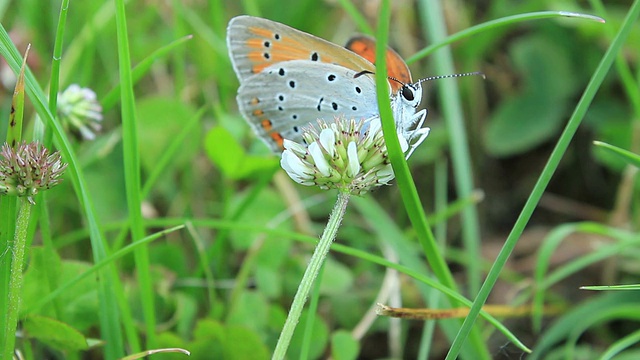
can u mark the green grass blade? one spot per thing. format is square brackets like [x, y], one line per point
[356, 16]
[493, 24]
[627, 156]
[109, 315]
[170, 152]
[99, 265]
[623, 68]
[54, 83]
[564, 325]
[406, 184]
[364, 205]
[625, 312]
[620, 345]
[547, 173]
[433, 17]
[140, 70]
[131, 160]
[612, 287]
[623, 240]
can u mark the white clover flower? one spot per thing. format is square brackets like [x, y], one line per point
[341, 156]
[79, 110]
[29, 168]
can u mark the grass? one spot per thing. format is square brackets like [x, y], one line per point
[174, 228]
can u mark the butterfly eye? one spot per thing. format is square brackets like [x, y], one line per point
[407, 93]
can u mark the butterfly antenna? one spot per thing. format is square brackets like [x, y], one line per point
[452, 76]
[396, 80]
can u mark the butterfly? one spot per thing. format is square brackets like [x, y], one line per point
[289, 78]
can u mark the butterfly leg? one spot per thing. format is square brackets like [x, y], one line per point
[416, 136]
[417, 120]
[421, 135]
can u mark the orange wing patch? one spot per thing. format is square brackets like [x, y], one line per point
[272, 47]
[256, 43]
[396, 67]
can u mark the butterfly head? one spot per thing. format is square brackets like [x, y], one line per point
[408, 93]
[411, 94]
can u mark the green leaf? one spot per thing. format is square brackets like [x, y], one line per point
[213, 340]
[264, 207]
[159, 120]
[79, 304]
[241, 343]
[319, 334]
[608, 120]
[337, 278]
[538, 111]
[229, 156]
[170, 340]
[269, 281]
[224, 151]
[54, 333]
[521, 124]
[251, 312]
[344, 346]
[207, 342]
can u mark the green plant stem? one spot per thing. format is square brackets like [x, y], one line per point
[315, 264]
[313, 309]
[545, 176]
[15, 283]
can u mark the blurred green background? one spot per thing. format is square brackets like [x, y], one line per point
[535, 73]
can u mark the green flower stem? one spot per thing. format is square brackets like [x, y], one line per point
[15, 283]
[315, 264]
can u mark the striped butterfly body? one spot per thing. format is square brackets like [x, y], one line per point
[289, 79]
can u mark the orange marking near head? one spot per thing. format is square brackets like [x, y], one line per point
[396, 67]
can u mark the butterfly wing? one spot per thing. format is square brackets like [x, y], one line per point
[396, 66]
[255, 44]
[299, 93]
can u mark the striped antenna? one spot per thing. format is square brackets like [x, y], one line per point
[452, 76]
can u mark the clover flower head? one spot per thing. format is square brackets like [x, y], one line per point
[28, 169]
[79, 110]
[346, 154]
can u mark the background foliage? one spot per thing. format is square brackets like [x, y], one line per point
[222, 285]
